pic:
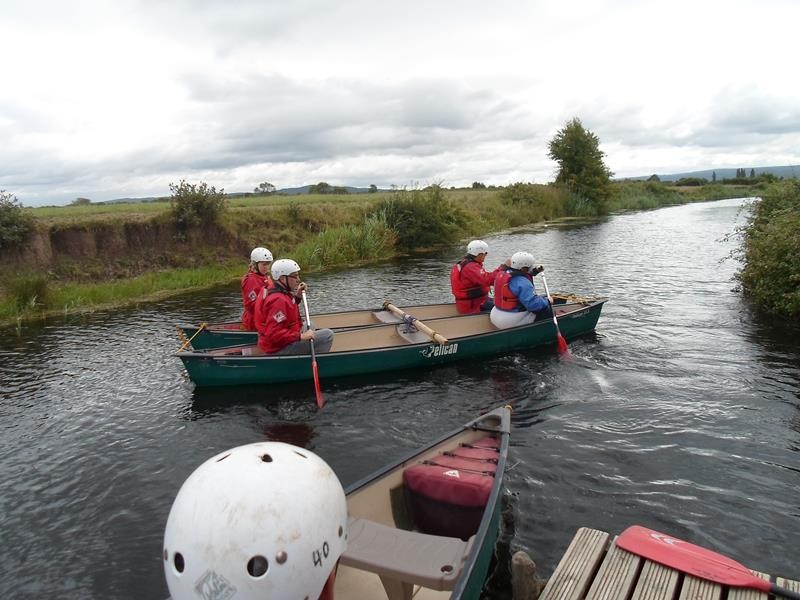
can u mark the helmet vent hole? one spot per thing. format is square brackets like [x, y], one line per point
[447, 569]
[257, 566]
[220, 459]
[300, 454]
[166, 554]
[177, 560]
[266, 458]
[341, 530]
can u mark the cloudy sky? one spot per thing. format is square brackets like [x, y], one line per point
[118, 98]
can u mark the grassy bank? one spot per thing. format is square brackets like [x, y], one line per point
[771, 273]
[111, 266]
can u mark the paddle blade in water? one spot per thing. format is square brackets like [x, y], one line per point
[317, 389]
[694, 560]
[562, 345]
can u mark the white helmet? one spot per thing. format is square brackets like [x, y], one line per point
[520, 260]
[260, 255]
[476, 247]
[284, 266]
[266, 520]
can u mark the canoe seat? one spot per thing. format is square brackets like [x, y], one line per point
[386, 316]
[411, 334]
[404, 558]
[447, 494]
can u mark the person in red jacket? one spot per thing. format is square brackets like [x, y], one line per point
[280, 328]
[469, 281]
[256, 279]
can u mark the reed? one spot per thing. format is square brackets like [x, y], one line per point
[370, 241]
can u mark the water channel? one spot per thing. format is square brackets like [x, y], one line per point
[681, 412]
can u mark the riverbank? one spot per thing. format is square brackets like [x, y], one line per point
[94, 257]
[771, 251]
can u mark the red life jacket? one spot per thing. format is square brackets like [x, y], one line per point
[504, 298]
[461, 291]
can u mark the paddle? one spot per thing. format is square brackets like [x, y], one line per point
[189, 341]
[314, 371]
[562, 343]
[694, 560]
[436, 337]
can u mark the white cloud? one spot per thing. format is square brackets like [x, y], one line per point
[106, 100]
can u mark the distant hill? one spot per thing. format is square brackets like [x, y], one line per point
[787, 172]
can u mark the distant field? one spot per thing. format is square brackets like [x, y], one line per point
[141, 210]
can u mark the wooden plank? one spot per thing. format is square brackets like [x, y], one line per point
[656, 582]
[616, 577]
[699, 589]
[738, 593]
[577, 567]
[789, 584]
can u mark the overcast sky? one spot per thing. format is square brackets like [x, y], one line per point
[118, 98]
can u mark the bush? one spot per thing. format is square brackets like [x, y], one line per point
[423, 220]
[195, 205]
[772, 251]
[15, 223]
[29, 291]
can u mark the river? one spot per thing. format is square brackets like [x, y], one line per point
[681, 412]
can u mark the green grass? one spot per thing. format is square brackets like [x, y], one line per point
[87, 297]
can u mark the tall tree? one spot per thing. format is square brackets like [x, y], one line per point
[265, 187]
[580, 160]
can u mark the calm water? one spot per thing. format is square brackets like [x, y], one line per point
[680, 413]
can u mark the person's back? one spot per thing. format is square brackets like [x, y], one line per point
[469, 281]
[516, 301]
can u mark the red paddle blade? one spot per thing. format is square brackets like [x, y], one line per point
[562, 344]
[688, 558]
[317, 389]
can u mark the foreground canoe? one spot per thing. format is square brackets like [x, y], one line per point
[388, 347]
[221, 335]
[426, 525]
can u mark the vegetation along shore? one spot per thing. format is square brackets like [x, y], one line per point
[63, 260]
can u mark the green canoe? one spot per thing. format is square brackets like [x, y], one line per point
[427, 524]
[389, 347]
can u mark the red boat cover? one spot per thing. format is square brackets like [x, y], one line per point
[463, 477]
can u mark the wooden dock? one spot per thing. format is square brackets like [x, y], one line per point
[594, 568]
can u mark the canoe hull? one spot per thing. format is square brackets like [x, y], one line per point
[206, 369]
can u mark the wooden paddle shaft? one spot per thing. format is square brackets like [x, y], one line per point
[436, 337]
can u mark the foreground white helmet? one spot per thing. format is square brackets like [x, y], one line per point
[266, 520]
[260, 255]
[521, 259]
[284, 266]
[476, 247]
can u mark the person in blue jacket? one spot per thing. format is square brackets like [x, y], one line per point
[515, 299]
